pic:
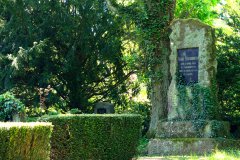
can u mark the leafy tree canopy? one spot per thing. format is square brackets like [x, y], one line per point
[74, 46]
[228, 55]
[201, 9]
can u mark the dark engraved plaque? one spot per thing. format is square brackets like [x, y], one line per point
[188, 64]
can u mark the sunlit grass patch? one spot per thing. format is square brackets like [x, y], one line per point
[217, 155]
[225, 155]
[173, 158]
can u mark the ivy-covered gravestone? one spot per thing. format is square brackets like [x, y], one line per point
[192, 92]
[193, 124]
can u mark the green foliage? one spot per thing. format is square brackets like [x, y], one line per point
[94, 136]
[200, 9]
[74, 46]
[53, 111]
[9, 105]
[201, 101]
[149, 22]
[149, 26]
[74, 111]
[142, 147]
[228, 57]
[35, 111]
[25, 141]
[141, 108]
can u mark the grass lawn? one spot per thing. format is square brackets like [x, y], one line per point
[218, 155]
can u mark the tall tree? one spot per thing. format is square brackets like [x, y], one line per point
[151, 20]
[74, 46]
[159, 15]
[229, 61]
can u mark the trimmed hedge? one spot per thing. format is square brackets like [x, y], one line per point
[95, 137]
[25, 141]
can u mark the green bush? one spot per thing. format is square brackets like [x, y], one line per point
[96, 137]
[25, 141]
[142, 108]
[75, 111]
[9, 105]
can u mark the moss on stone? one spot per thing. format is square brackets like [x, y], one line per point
[192, 21]
[189, 146]
[193, 129]
[197, 101]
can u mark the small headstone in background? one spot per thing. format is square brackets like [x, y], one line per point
[104, 108]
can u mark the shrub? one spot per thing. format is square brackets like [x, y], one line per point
[75, 111]
[100, 137]
[25, 141]
[142, 108]
[9, 105]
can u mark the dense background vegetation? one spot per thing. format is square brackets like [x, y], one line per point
[74, 46]
[90, 51]
[228, 53]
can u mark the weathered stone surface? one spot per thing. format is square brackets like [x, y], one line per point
[191, 33]
[189, 146]
[193, 124]
[193, 129]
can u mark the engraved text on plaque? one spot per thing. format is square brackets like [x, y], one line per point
[188, 64]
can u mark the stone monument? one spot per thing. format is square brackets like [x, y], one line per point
[193, 124]
[193, 69]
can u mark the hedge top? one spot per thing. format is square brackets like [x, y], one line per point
[21, 124]
[91, 115]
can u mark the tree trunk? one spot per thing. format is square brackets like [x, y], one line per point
[159, 89]
[161, 14]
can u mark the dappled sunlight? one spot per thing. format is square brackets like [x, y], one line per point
[120, 79]
[225, 155]
[218, 155]
[126, 2]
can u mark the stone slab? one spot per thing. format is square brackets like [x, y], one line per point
[192, 60]
[193, 129]
[189, 146]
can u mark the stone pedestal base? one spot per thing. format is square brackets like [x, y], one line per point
[193, 129]
[189, 146]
